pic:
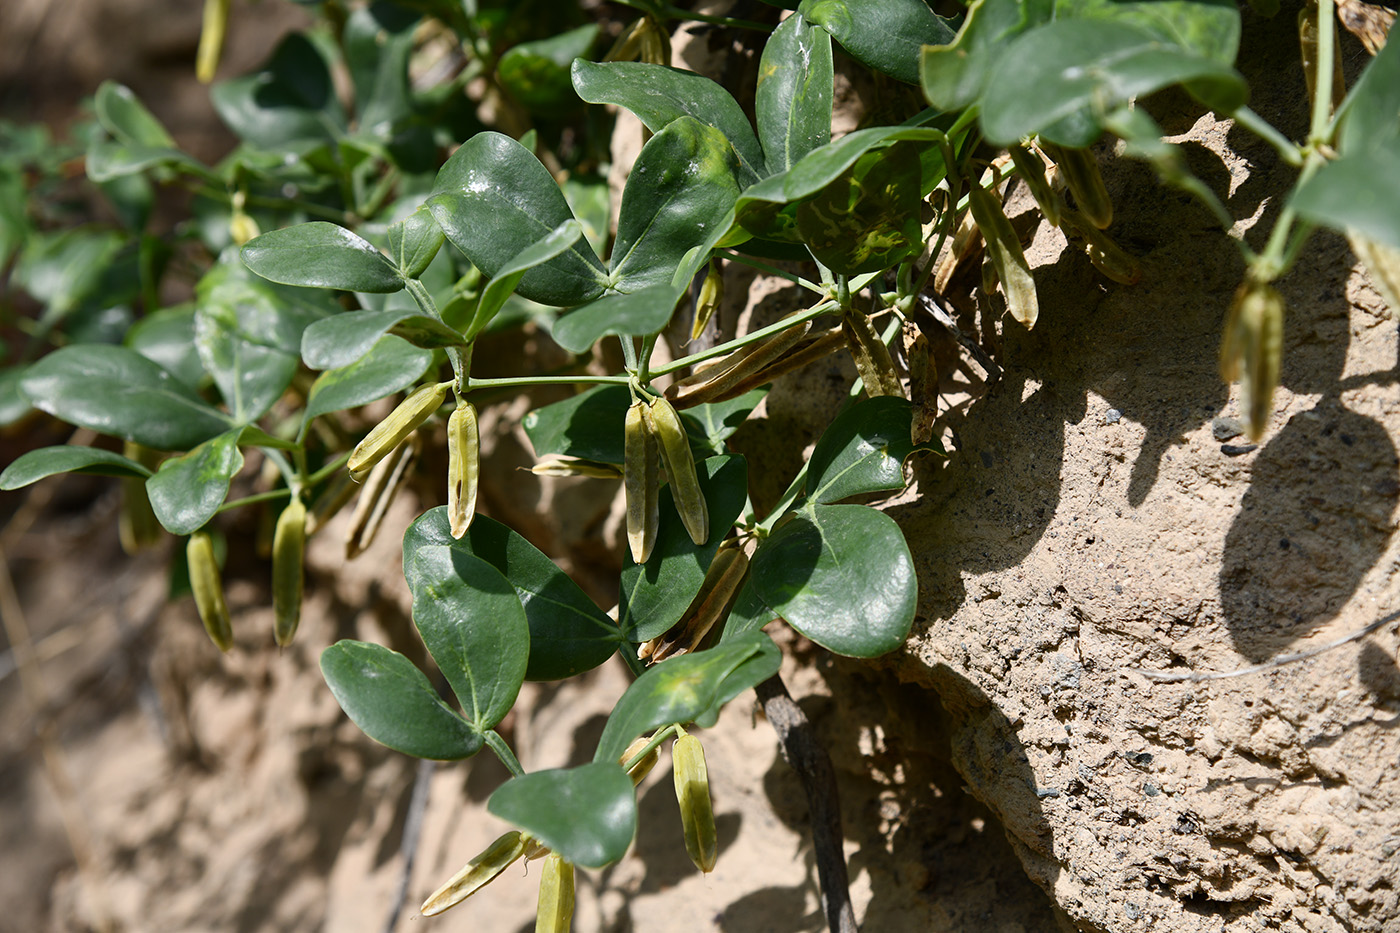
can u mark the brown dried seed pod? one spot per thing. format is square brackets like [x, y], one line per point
[872, 357]
[641, 481]
[208, 589]
[717, 592]
[288, 574]
[569, 466]
[643, 767]
[377, 494]
[718, 382]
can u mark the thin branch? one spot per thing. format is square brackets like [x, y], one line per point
[412, 830]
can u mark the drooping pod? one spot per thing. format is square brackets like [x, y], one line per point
[1080, 171]
[208, 588]
[476, 874]
[721, 380]
[1031, 169]
[872, 357]
[680, 468]
[288, 574]
[693, 794]
[390, 433]
[723, 578]
[211, 39]
[572, 466]
[641, 481]
[377, 494]
[137, 524]
[1005, 255]
[1104, 254]
[555, 910]
[1253, 342]
[463, 467]
[711, 297]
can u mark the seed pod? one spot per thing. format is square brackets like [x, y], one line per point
[1382, 262]
[966, 240]
[1031, 170]
[481, 870]
[923, 385]
[643, 767]
[807, 350]
[242, 227]
[641, 481]
[717, 382]
[693, 795]
[723, 578]
[1254, 342]
[628, 45]
[211, 39]
[288, 551]
[534, 848]
[872, 357]
[555, 913]
[463, 467]
[680, 468]
[389, 433]
[569, 466]
[377, 495]
[1080, 171]
[1308, 37]
[1369, 22]
[1004, 252]
[1104, 254]
[711, 297]
[208, 589]
[137, 525]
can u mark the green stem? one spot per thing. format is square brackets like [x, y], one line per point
[772, 270]
[1322, 102]
[816, 311]
[503, 752]
[644, 359]
[511, 382]
[661, 735]
[272, 495]
[1287, 149]
[459, 357]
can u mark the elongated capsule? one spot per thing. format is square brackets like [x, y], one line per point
[711, 297]
[966, 239]
[569, 466]
[390, 433]
[680, 467]
[1253, 343]
[641, 481]
[872, 357]
[642, 768]
[1104, 254]
[211, 39]
[377, 494]
[723, 578]
[1080, 171]
[555, 910]
[807, 350]
[923, 386]
[463, 467]
[288, 553]
[208, 589]
[1031, 170]
[1005, 255]
[693, 795]
[717, 382]
[476, 874]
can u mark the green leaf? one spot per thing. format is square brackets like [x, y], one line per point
[537, 73]
[107, 160]
[883, 34]
[659, 95]
[1210, 28]
[1370, 115]
[494, 295]
[586, 814]
[867, 218]
[378, 42]
[46, 461]
[291, 100]
[414, 241]
[167, 338]
[682, 689]
[65, 270]
[1347, 195]
[713, 423]
[494, 199]
[475, 629]
[321, 255]
[187, 490]
[568, 633]
[1060, 79]
[655, 594]
[749, 613]
[338, 341]
[677, 197]
[127, 119]
[863, 450]
[393, 702]
[392, 365]
[793, 100]
[588, 425]
[114, 390]
[640, 312]
[13, 404]
[842, 576]
[750, 672]
[954, 74]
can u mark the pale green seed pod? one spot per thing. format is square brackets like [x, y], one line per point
[1004, 253]
[208, 589]
[693, 794]
[1080, 171]
[463, 467]
[642, 768]
[1031, 170]
[476, 874]
[711, 297]
[680, 467]
[1253, 347]
[569, 466]
[211, 39]
[1104, 254]
[288, 554]
[641, 481]
[390, 433]
[555, 912]
[717, 592]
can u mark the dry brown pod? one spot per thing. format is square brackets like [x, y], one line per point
[872, 357]
[377, 494]
[711, 603]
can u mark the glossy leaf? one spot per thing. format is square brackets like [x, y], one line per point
[748, 613]
[641, 312]
[883, 34]
[391, 366]
[494, 295]
[659, 95]
[167, 337]
[537, 73]
[863, 450]
[1059, 79]
[46, 461]
[681, 689]
[1347, 195]
[414, 241]
[64, 270]
[586, 814]
[655, 594]
[475, 629]
[712, 424]
[291, 99]
[750, 672]
[1370, 117]
[587, 426]
[867, 218]
[339, 340]
[13, 404]
[568, 633]
[954, 74]
[1210, 28]
[123, 115]
[493, 199]
[187, 490]
[115, 390]
[793, 100]
[393, 702]
[321, 255]
[842, 576]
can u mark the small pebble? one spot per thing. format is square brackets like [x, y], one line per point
[1235, 450]
[1113, 416]
[1225, 428]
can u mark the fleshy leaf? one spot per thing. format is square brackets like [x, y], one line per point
[793, 100]
[863, 450]
[391, 366]
[586, 814]
[321, 255]
[46, 461]
[187, 490]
